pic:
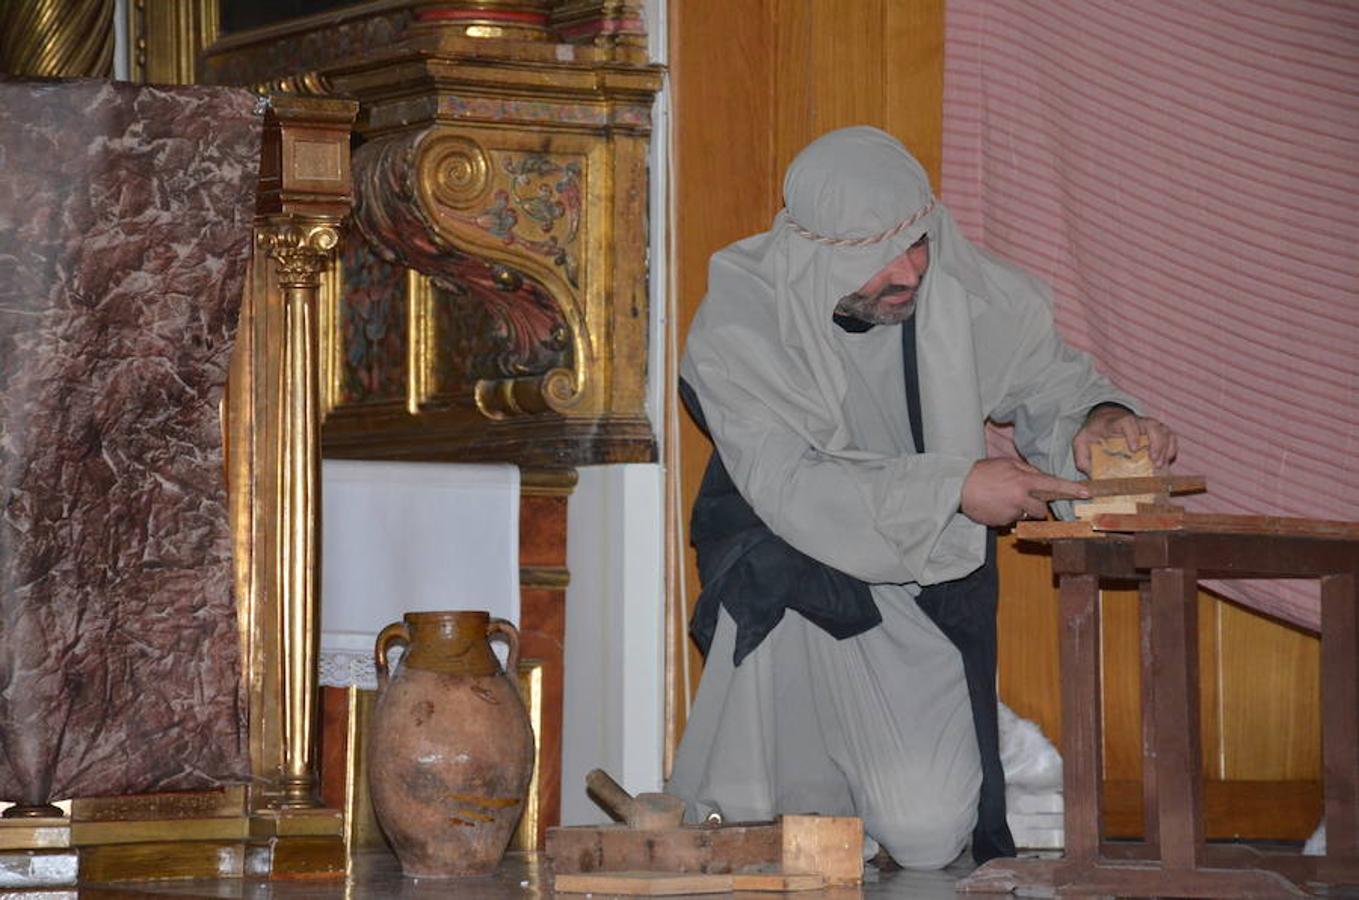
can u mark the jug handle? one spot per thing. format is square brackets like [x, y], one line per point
[397, 631]
[506, 630]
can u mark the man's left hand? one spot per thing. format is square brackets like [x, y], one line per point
[1115, 421]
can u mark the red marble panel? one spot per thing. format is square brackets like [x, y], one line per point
[542, 531]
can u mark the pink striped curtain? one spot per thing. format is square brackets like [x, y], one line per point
[1185, 174]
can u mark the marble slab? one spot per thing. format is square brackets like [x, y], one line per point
[125, 228]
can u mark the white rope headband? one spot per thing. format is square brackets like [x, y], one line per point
[862, 241]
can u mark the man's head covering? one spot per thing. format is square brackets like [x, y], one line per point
[856, 200]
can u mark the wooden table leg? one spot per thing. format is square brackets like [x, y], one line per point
[1081, 751]
[1179, 768]
[1340, 714]
[1151, 823]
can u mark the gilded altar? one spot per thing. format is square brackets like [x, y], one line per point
[492, 298]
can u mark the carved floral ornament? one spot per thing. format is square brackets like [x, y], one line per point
[534, 203]
[499, 228]
[301, 251]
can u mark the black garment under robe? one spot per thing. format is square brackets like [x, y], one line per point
[756, 575]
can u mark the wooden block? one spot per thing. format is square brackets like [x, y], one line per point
[642, 884]
[1088, 509]
[689, 848]
[830, 846]
[1113, 458]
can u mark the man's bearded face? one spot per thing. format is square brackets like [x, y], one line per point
[888, 298]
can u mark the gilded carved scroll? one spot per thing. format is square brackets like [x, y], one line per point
[505, 325]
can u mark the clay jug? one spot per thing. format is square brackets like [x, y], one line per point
[451, 747]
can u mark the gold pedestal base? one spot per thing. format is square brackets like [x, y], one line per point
[35, 834]
[206, 834]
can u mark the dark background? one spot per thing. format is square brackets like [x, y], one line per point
[239, 15]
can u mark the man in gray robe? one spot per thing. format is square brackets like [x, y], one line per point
[844, 363]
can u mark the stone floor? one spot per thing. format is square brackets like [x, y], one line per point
[377, 875]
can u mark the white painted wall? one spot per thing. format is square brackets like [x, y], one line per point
[614, 713]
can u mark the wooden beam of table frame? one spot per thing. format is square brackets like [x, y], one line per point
[1225, 523]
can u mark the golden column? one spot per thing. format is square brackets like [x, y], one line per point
[301, 249]
[57, 38]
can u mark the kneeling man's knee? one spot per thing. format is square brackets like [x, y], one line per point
[923, 835]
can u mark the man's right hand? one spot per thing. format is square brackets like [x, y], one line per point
[999, 491]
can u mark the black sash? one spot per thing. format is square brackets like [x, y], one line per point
[965, 611]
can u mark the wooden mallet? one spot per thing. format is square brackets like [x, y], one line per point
[644, 812]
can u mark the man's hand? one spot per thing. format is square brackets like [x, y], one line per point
[998, 491]
[1115, 421]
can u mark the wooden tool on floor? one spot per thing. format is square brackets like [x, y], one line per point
[827, 846]
[644, 812]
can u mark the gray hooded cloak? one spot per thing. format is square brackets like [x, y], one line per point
[813, 428]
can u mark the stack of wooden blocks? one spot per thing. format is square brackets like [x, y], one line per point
[1114, 458]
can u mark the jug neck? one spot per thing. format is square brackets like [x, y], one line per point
[452, 643]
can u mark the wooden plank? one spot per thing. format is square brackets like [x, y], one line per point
[1122, 487]
[1225, 523]
[1053, 531]
[782, 882]
[658, 884]
[641, 884]
[689, 848]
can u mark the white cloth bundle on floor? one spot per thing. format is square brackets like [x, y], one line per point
[1033, 783]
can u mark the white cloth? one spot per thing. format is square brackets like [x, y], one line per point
[401, 537]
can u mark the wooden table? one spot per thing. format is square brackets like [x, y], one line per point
[1174, 859]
